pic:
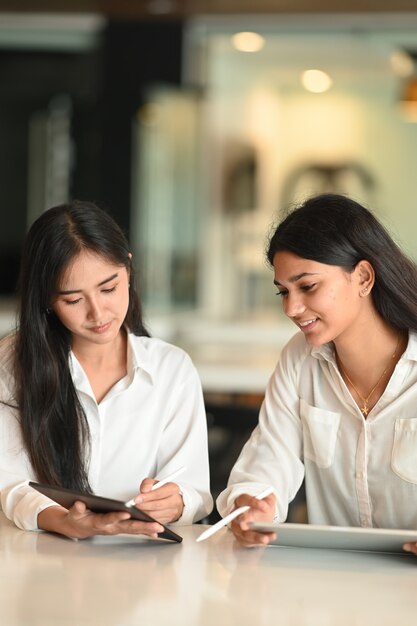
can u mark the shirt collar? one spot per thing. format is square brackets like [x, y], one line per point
[411, 349]
[326, 351]
[138, 358]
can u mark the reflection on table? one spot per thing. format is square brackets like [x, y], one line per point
[47, 580]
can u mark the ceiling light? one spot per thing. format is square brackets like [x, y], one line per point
[248, 42]
[316, 81]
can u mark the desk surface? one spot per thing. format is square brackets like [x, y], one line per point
[47, 580]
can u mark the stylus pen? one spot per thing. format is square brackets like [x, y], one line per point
[223, 522]
[162, 482]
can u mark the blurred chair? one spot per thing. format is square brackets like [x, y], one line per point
[229, 427]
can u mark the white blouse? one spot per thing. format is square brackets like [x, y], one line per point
[148, 425]
[357, 472]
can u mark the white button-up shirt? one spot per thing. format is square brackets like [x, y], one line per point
[149, 424]
[357, 472]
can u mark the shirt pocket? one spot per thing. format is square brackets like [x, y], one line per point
[404, 450]
[320, 429]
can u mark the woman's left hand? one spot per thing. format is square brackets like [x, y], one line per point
[410, 547]
[164, 504]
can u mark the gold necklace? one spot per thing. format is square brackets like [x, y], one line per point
[365, 410]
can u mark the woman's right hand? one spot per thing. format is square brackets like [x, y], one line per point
[260, 511]
[79, 523]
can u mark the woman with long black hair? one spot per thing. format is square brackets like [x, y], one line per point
[340, 409]
[87, 399]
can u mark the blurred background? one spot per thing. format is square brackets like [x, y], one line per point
[195, 123]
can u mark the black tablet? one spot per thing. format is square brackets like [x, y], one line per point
[98, 504]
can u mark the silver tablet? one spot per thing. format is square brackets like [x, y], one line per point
[338, 537]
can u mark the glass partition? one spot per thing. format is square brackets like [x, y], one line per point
[314, 106]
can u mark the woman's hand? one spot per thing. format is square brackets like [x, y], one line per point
[260, 511]
[410, 547]
[164, 504]
[79, 522]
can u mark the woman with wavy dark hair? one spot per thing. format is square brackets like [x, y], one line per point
[88, 400]
[340, 408]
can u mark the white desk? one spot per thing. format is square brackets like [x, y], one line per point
[47, 580]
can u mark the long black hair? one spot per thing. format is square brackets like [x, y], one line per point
[335, 230]
[53, 424]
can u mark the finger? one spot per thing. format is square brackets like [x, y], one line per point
[79, 507]
[251, 538]
[164, 517]
[245, 500]
[115, 517]
[170, 490]
[166, 510]
[88, 524]
[134, 527]
[79, 510]
[264, 513]
[245, 521]
[160, 507]
[255, 504]
[241, 528]
[146, 485]
[410, 547]
[158, 494]
[101, 525]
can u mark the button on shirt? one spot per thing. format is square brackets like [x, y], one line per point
[357, 472]
[149, 424]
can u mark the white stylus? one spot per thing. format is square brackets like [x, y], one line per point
[223, 522]
[160, 483]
